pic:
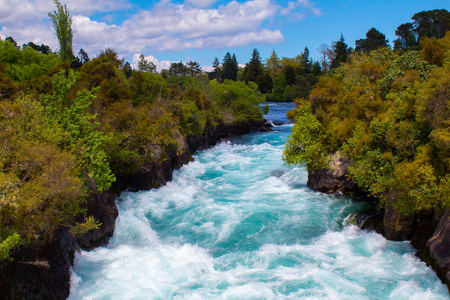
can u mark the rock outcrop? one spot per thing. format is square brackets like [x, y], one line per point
[429, 234]
[334, 179]
[40, 272]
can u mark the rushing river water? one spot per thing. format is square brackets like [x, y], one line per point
[239, 224]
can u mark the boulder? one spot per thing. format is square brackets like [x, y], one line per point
[333, 179]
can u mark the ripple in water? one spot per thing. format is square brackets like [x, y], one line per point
[238, 224]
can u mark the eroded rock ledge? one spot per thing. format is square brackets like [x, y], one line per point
[43, 271]
[429, 234]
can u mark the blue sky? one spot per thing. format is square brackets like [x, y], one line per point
[166, 31]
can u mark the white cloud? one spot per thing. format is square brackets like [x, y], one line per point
[200, 3]
[90, 6]
[298, 10]
[166, 27]
[170, 27]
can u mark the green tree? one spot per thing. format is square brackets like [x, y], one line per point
[72, 114]
[374, 40]
[305, 144]
[406, 37]
[216, 74]
[254, 68]
[178, 69]
[145, 65]
[273, 64]
[432, 23]
[230, 67]
[341, 53]
[194, 68]
[305, 62]
[62, 24]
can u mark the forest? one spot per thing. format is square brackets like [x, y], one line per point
[70, 125]
[388, 111]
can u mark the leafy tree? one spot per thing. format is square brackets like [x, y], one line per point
[44, 49]
[62, 24]
[194, 68]
[111, 56]
[217, 70]
[264, 83]
[12, 41]
[127, 70]
[406, 37]
[305, 144]
[433, 50]
[145, 66]
[72, 114]
[432, 23]
[289, 74]
[178, 69]
[279, 88]
[374, 40]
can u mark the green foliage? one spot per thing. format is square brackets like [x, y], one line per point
[147, 87]
[89, 224]
[239, 99]
[62, 24]
[390, 115]
[374, 40]
[40, 187]
[26, 65]
[7, 245]
[305, 144]
[72, 115]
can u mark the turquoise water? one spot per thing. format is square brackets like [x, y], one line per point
[238, 224]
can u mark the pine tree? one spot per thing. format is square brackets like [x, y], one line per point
[341, 53]
[230, 67]
[254, 68]
[273, 64]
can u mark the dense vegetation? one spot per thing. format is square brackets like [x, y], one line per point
[389, 112]
[65, 134]
[70, 125]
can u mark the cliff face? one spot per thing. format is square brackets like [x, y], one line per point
[430, 234]
[40, 274]
[45, 273]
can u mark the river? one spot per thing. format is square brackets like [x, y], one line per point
[237, 223]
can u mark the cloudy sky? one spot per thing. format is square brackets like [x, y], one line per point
[199, 30]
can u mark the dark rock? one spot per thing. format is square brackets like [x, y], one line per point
[103, 208]
[439, 248]
[39, 274]
[397, 226]
[334, 179]
[370, 221]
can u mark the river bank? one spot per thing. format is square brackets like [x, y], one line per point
[428, 233]
[43, 271]
[238, 223]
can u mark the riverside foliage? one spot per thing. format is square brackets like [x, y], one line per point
[66, 134]
[389, 112]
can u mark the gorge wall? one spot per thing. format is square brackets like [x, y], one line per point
[429, 234]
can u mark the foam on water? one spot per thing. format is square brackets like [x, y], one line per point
[238, 224]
